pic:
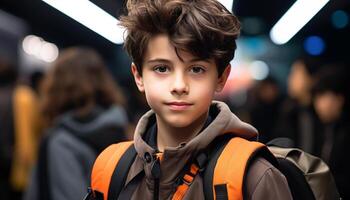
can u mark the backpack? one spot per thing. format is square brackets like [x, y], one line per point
[308, 176]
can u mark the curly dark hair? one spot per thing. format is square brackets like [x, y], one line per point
[204, 28]
[77, 77]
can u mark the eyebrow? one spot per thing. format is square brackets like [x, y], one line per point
[158, 60]
[168, 61]
[199, 59]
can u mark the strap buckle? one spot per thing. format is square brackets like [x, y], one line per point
[190, 175]
[188, 183]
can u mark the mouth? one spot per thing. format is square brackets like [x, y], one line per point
[178, 106]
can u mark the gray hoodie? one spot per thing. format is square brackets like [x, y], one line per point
[71, 148]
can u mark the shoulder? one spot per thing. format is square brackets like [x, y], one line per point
[265, 181]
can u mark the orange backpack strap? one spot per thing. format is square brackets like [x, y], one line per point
[105, 165]
[223, 178]
[187, 180]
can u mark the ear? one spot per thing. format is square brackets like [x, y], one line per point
[137, 77]
[223, 78]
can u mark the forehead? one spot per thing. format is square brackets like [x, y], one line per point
[160, 47]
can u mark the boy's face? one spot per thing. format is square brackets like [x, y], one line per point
[179, 91]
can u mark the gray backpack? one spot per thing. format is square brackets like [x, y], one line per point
[308, 176]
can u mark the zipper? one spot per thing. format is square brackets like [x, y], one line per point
[155, 171]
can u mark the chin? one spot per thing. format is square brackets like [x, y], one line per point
[180, 124]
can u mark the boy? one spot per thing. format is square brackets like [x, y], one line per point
[181, 51]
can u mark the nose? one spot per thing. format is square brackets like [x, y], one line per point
[179, 84]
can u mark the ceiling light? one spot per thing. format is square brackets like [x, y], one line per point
[227, 3]
[294, 19]
[39, 48]
[91, 16]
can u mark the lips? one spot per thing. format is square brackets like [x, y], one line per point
[178, 106]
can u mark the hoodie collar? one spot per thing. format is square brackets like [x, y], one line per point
[223, 121]
[150, 136]
[175, 158]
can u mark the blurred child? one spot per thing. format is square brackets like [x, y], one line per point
[83, 107]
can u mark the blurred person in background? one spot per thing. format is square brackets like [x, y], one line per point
[83, 107]
[297, 119]
[19, 130]
[331, 103]
[265, 103]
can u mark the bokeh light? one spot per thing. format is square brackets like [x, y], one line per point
[340, 19]
[314, 45]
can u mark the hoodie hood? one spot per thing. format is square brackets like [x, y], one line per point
[99, 128]
[96, 120]
[175, 158]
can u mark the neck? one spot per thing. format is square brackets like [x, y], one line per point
[170, 136]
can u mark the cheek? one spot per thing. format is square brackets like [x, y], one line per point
[153, 91]
[204, 91]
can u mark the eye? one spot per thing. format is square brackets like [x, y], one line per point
[161, 69]
[197, 69]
